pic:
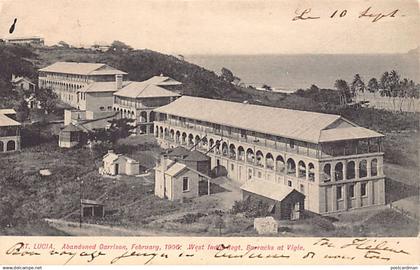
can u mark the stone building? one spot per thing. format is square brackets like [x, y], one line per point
[137, 100]
[117, 164]
[66, 78]
[9, 131]
[336, 164]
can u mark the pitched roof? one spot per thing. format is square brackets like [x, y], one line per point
[293, 124]
[82, 68]
[18, 79]
[7, 121]
[102, 87]
[178, 151]
[175, 169]
[196, 156]
[71, 128]
[144, 90]
[7, 111]
[350, 133]
[268, 189]
[163, 81]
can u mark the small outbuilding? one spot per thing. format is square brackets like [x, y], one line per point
[284, 202]
[71, 136]
[176, 181]
[117, 164]
[91, 208]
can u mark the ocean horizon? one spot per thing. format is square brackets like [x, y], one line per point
[300, 71]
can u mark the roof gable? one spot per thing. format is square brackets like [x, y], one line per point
[82, 68]
[144, 90]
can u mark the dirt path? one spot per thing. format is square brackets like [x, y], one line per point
[73, 229]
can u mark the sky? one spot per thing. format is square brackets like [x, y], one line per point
[219, 27]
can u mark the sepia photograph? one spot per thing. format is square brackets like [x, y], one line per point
[199, 118]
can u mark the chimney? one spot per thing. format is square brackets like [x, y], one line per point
[118, 81]
[163, 163]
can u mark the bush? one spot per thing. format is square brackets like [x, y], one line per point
[251, 208]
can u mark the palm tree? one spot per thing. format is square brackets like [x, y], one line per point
[344, 90]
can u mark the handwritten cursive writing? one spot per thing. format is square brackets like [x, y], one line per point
[221, 253]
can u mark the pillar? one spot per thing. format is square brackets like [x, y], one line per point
[345, 197]
[357, 194]
[334, 198]
[344, 170]
[332, 172]
[369, 167]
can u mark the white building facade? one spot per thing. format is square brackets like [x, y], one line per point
[66, 78]
[336, 164]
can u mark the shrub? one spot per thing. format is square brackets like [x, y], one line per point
[251, 208]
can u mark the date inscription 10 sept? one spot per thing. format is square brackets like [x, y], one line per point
[369, 13]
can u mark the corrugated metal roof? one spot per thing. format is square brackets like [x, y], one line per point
[102, 87]
[144, 90]
[351, 133]
[82, 68]
[293, 124]
[268, 189]
[7, 122]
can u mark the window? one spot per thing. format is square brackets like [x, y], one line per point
[351, 191]
[185, 184]
[102, 108]
[302, 188]
[232, 167]
[259, 174]
[339, 192]
[289, 183]
[363, 189]
[243, 133]
[109, 107]
[292, 144]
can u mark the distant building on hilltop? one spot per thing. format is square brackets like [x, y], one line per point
[9, 131]
[33, 41]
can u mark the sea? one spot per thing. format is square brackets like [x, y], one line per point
[292, 72]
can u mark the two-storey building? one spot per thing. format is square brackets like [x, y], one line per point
[9, 131]
[336, 164]
[66, 78]
[137, 100]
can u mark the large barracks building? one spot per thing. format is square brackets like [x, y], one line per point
[336, 164]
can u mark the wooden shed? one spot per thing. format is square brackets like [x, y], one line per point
[284, 202]
[91, 208]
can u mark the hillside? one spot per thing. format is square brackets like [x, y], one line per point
[197, 81]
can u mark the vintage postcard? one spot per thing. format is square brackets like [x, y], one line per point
[209, 132]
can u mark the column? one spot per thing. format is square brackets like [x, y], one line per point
[369, 168]
[357, 195]
[345, 196]
[332, 172]
[307, 171]
[370, 192]
[344, 170]
[334, 198]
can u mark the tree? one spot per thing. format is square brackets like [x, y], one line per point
[22, 110]
[344, 90]
[121, 128]
[47, 99]
[357, 85]
[390, 85]
[267, 87]
[373, 85]
[119, 46]
[227, 75]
